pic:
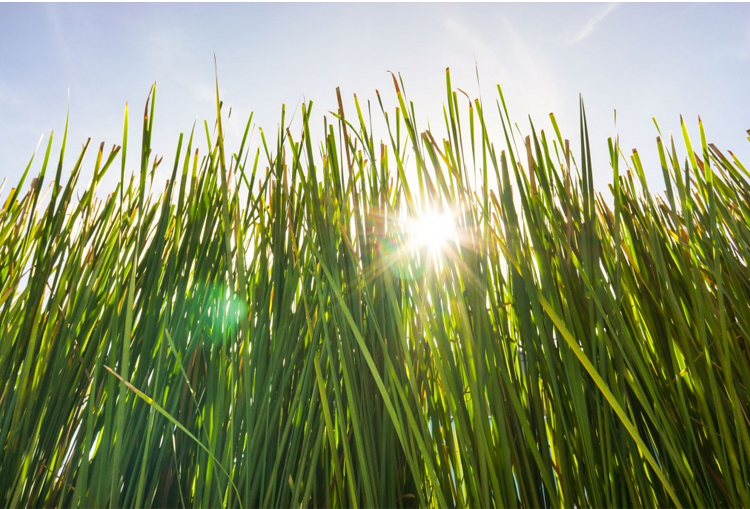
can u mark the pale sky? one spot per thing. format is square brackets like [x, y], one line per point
[643, 60]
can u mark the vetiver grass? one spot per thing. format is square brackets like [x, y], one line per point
[261, 332]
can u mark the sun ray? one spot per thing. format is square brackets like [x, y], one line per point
[432, 231]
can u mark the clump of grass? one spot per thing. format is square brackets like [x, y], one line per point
[265, 334]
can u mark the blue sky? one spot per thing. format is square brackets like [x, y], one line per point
[644, 60]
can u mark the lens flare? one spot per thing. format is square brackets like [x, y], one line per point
[433, 230]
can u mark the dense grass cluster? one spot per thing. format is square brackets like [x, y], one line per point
[261, 332]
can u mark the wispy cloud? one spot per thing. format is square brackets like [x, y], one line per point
[524, 71]
[594, 21]
[470, 38]
[60, 42]
[517, 59]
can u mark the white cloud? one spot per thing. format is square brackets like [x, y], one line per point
[61, 46]
[506, 55]
[594, 21]
[481, 50]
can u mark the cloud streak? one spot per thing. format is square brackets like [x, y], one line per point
[59, 40]
[523, 70]
[594, 21]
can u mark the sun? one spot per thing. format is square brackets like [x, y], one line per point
[433, 230]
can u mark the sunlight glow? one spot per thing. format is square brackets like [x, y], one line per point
[433, 230]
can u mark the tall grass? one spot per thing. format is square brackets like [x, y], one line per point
[260, 332]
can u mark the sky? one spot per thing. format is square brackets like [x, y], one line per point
[643, 60]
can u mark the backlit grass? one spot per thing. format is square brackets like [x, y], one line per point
[281, 327]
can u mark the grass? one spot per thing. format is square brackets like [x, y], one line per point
[262, 331]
